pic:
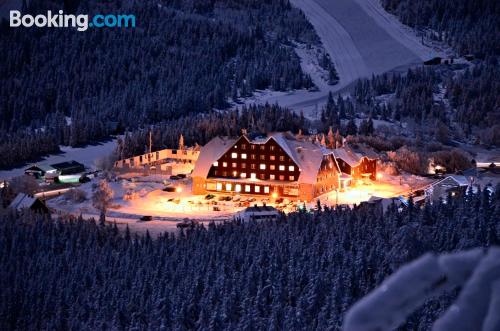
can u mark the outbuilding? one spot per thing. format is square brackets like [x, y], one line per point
[24, 201]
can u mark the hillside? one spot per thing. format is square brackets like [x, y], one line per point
[183, 57]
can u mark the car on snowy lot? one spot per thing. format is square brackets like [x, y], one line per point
[175, 177]
[181, 176]
[187, 224]
[169, 189]
[146, 218]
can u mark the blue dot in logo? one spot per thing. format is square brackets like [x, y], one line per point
[91, 24]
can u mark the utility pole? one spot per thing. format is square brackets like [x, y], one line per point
[150, 142]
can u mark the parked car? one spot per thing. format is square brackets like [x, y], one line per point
[174, 177]
[187, 224]
[169, 189]
[146, 218]
[181, 175]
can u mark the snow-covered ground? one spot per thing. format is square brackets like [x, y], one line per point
[386, 187]
[85, 155]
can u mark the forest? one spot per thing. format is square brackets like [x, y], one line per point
[184, 57]
[470, 27]
[201, 128]
[301, 272]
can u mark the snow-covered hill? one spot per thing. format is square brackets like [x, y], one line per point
[362, 39]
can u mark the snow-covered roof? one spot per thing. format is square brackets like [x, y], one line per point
[43, 167]
[210, 153]
[347, 155]
[459, 180]
[22, 201]
[308, 157]
[352, 157]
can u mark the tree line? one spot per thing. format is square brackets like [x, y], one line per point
[301, 272]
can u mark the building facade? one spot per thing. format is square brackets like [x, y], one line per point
[277, 166]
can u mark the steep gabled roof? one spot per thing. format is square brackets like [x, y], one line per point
[308, 157]
[347, 155]
[305, 154]
[210, 153]
[352, 157]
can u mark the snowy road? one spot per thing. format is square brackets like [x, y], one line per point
[362, 39]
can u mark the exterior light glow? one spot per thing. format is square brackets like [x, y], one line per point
[178, 189]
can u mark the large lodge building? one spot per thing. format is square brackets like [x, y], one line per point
[280, 165]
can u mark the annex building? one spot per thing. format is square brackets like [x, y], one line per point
[279, 165]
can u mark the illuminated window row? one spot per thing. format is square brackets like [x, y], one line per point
[262, 166]
[238, 188]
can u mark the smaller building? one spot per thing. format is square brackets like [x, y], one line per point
[189, 155]
[24, 201]
[69, 168]
[451, 184]
[258, 213]
[355, 165]
[40, 170]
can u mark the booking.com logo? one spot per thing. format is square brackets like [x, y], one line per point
[61, 20]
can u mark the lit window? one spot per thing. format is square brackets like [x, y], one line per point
[244, 156]
[262, 147]
[218, 187]
[235, 174]
[243, 146]
[262, 166]
[257, 189]
[233, 164]
[271, 148]
[244, 165]
[262, 176]
[237, 188]
[247, 188]
[272, 177]
[291, 168]
[282, 177]
[282, 168]
[216, 164]
[253, 176]
[253, 146]
[282, 158]
[266, 189]
[272, 167]
[243, 175]
[262, 157]
[252, 166]
[229, 186]
[252, 156]
[234, 155]
[291, 178]
[224, 164]
[272, 157]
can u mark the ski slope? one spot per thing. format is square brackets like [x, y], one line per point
[362, 39]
